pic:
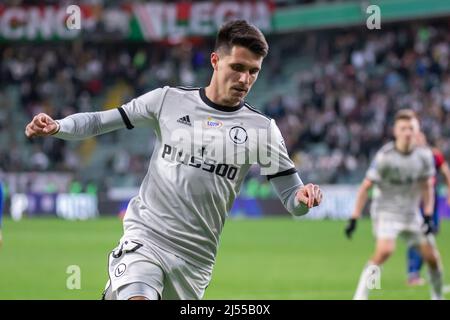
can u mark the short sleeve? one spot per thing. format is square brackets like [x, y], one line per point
[273, 157]
[429, 169]
[144, 109]
[375, 168]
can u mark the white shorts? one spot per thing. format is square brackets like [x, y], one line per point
[134, 261]
[412, 232]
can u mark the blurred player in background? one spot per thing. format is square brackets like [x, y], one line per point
[172, 228]
[415, 260]
[402, 175]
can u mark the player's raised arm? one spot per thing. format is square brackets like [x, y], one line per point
[142, 110]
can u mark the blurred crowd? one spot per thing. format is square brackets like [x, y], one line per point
[339, 115]
[348, 95]
[61, 79]
[119, 2]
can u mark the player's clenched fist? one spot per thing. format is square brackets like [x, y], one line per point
[41, 125]
[310, 195]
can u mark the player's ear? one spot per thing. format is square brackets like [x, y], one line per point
[214, 60]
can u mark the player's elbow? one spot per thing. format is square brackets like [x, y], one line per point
[365, 186]
[428, 186]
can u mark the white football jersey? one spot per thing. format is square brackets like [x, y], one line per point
[397, 177]
[202, 154]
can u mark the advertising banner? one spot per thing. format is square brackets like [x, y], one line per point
[135, 21]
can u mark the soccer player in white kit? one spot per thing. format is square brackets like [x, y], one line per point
[207, 140]
[402, 176]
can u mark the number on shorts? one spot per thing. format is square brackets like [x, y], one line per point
[125, 247]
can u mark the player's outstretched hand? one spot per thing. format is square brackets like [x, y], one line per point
[310, 195]
[42, 125]
[428, 225]
[350, 228]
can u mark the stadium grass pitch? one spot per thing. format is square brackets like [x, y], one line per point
[258, 259]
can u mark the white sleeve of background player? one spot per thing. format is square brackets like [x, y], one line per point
[374, 171]
[138, 112]
[429, 169]
[286, 188]
[273, 157]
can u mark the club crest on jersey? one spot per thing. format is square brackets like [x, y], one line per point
[238, 135]
[120, 270]
[212, 123]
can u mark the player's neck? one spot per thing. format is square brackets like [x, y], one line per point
[213, 95]
[403, 147]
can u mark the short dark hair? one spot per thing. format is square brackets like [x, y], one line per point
[405, 114]
[241, 33]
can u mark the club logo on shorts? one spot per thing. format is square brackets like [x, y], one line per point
[120, 270]
[238, 135]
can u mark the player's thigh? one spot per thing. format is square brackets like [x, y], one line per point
[415, 237]
[429, 250]
[183, 280]
[384, 227]
[384, 247]
[137, 291]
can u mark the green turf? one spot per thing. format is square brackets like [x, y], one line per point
[258, 259]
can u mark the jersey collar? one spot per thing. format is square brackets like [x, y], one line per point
[218, 106]
[407, 153]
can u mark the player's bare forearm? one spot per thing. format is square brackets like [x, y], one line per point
[427, 189]
[361, 198]
[446, 173]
